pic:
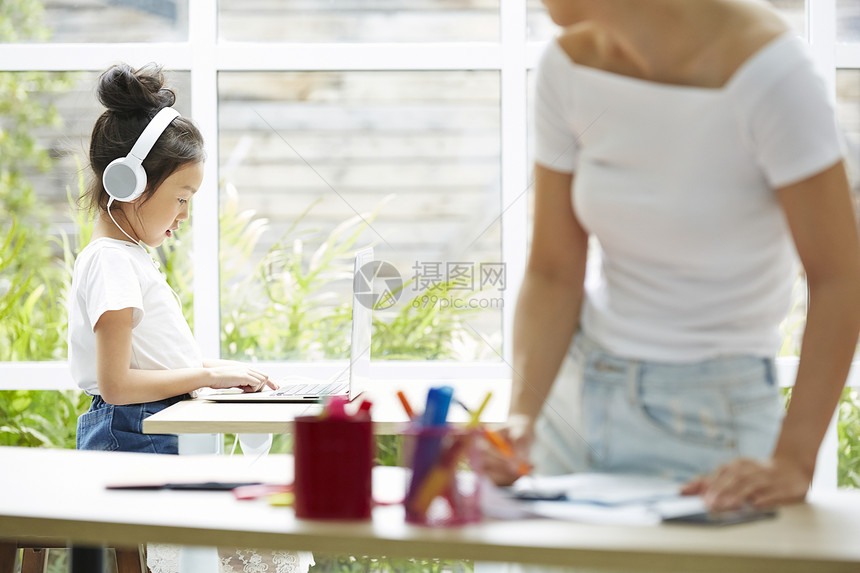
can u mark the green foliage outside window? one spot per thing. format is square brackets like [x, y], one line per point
[31, 285]
[848, 431]
[287, 306]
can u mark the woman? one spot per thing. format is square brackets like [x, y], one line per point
[694, 140]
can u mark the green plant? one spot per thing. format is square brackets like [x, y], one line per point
[286, 305]
[294, 304]
[367, 564]
[31, 281]
[848, 432]
[12, 291]
[44, 418]
[423, 328]
[21, 20]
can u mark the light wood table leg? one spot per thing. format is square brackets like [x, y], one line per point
[199, 559]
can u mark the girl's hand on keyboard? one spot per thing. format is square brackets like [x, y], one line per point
[230, 374]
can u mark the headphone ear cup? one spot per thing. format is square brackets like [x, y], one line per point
[124, 179]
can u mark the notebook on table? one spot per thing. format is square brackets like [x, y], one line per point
[350, 381]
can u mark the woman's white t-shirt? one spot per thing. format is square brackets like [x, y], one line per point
[114, 275]
[677, 184]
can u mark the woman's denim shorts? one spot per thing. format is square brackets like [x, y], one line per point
[120, 428]
[677, 420]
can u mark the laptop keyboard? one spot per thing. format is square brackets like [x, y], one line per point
[311, 389]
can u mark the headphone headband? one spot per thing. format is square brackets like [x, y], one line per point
[124, 178]
[152, 132]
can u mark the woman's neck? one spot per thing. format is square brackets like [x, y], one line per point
[679, 42]
[661, 38]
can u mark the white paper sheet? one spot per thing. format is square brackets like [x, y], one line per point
[610, 499]
[601, 488]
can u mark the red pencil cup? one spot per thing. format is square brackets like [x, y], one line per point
[444, 485]
[333, 463]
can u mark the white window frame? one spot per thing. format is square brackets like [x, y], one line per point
[204, 56]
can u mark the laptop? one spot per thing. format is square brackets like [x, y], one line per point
[351, 381]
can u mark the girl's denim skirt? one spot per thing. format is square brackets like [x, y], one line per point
[120, 428]
[677, 420]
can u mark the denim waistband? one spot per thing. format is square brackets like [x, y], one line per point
[717, 369]
[99, 402]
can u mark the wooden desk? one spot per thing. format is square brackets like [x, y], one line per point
[199, 422]
[202, 417]
[61, 494]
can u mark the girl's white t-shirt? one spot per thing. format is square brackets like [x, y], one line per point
[677, 185]
[113, 275]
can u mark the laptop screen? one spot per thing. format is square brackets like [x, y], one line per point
[362, 323]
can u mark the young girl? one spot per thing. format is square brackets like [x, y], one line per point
[129, 345]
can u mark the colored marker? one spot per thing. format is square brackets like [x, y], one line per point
[363, 412]
[409, 412]
[476, 416]
[495, 439]
[504, 448]
[438, 402]
[334, 408]
[439, 476]
[430, 433]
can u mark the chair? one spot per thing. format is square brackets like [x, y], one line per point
[34, 557]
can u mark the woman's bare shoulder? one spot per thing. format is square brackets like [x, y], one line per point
[753, 27]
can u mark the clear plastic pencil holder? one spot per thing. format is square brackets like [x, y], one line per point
[443, 487]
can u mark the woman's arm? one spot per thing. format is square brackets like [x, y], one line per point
[547, 311]
[119, 384]
[550, 297]
[821, 217]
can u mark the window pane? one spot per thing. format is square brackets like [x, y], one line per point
[44, 146]
[416, 154]
[847, 20]
[541, 27]
[359, 20]
[97, 21]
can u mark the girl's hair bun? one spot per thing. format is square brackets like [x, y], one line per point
[125, 90]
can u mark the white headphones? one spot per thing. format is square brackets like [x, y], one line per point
[124, 178]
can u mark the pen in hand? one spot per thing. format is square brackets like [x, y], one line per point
[504, 448]
[494, 438]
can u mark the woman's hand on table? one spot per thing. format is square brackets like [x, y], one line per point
[778, 481]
